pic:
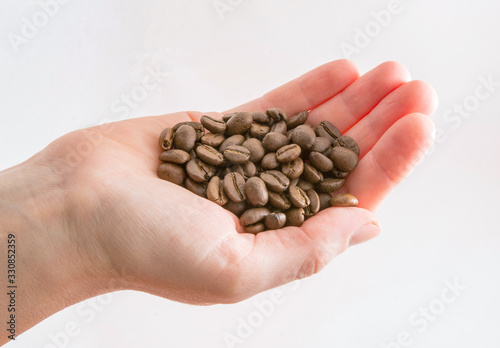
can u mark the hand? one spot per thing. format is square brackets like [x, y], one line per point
[121, 222]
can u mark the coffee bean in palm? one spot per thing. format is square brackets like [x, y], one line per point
[350, 143]
[320, 162]
[237, 208]
[321, 144]
[324, 200]
[185, 138]
[213, 124]
[311, 174]
[258, 130]
[344, 159]
[236, 154]
[273, 141]
[314, 205]
[256, 149]
[338, 173]
[298, 197]
[279, 200]
[275, 220]
[293, 169]
[199, 188]
[295, 216]
[215, 191]
[276, 114]
[255, 228]
[305, 185]
[297, 120]
[236, 139]
[175, 156]
[209, 155]
[166, 139]
[344, 200]
[288, 153]
[226, 117]
[172, 172]
[275, 180]
[239, 123]
[198, 127]
[234, 187]
[327, 130]
[269, 161]
[212, 139]
[304, 136]
[253, 216]
[199, 171]
[256, 192]
[280, 127]
[330, 185]
[261, 117]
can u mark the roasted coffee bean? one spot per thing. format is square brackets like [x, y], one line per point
[321, 144]
[247, 169]
[327, 152]
[295, 216]
[289, 135]
[198, 127]
[199, 171]
[209, 155]
[175, 156]
[213, 124]
[215, 191]
[258, 130]
[344, 200]
[324, 200]
[236, 139]
[166, 139]
[273, 141]
[297, 120]
[172, 172]
[226, 117]
[298, 197]
[212, 139]
[344, 159]
[330, 185]
[239, 123]
[305, 185]
[275, 180]
[279, 200]
[256, 192]
[350, 143]
[198, 188]
[288, 153]
[185, 138]
[269, 161]
[327, 130]
[276, 114]
[256, 149]
[315, 204]
[237, 208]
[261, 117]
[320, 162]
[236, 154]
[311, 174]
[293, 169]
[255, 228]
[280, 127]
[274, 221]
[293, 181]
[339, 174]
[234, 187]
[304, 136]
[254, 215]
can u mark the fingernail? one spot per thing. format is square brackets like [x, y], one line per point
[365, 233]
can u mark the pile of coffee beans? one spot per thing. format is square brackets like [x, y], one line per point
[269, 170]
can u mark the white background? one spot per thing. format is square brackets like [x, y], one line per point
[440, 225]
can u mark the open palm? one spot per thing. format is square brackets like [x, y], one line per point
[154, 236]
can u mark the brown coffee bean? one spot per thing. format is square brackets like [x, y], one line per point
[315, 204]
[212, 139]
[279, 127]
[236, 154]
[320, 162]
[172, 172]
[261, 117]
[198, 127]
[330, 185]
[324, 201]
[275, 180]
[215, 191]
[311, 174]
[213, 124]
[327, 130]
[344, 200]
[348, 142]
[258, 130]
[198, 188]
[175, 156]
[256, 149]
[255, 228]
[166, 139]
[236, 139]
[209, 155]
[298, 197]
[274, 221]
[321, 144]
[199, 171]
[273, 141]
[279, 200]
[295, 216]
[247, 169]
[256, 192]
[237, 208]
[288, 153]
[239, 123]
[234, 187]
[344, 159]
[297, 120]
[276, 114]
[226, 117]
[269, 161]
[184, 138]
[254, 215]
[303, 136]
[294, 168]
[339, 174]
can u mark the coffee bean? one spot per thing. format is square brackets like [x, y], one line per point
[172, 172]
[280, 127]
[274, 221]
[315, 204]
[196, 187]
[209, 155]
[258, 130]
[269, 161]
[184, 138]
[215, 191]
[295, 216]
[305, 185]
[239, 123]
[297, 120]
[256, 192]
[344, 159]
[298, 197]
[212, 139]
[303, 136]
[261, 117]
[288, 153]
[213, 124]
[175, 156]
[236, 154]
[198, 127]
[339, 174]
[311, 174]
[256, 149]
[348, 142]
[273, 141]
[275, 180]
[236, 139]
[344, 200]
[321, 144]
[199, 171]
[330, 185]
[276, 114]
[327, 130]
[237, 208]
[324, 201]
[255, 228]
[320, 162]
[234, 187]
[293, 169]
[166, 139]
[247, 169]
[254, 215]
[226, 117]
[279, 200]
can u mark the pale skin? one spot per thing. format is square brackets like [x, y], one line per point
[111, 224]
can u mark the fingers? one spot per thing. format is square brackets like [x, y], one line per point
[307, 91]
[358, 99]
[412, 97]
[390, 160]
